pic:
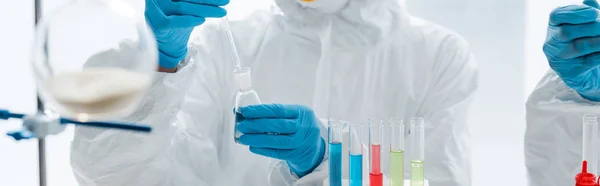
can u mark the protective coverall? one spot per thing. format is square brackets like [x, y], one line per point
[555, 109]
[363, 59]
[553, 137]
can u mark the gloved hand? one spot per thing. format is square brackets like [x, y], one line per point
[572, 47]
[173, 21]
[285, 132]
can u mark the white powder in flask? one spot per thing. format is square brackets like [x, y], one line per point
[98, 91]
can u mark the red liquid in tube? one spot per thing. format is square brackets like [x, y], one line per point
[376, 177]
[584, 178]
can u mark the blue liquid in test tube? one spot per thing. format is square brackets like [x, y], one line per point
[335, 164]
[356, 170]
[335, 153]
[356, 161]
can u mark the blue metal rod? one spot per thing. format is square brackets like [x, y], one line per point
[14, 115]
[140, 128]
[5, 114]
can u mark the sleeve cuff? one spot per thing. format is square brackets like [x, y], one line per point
[167, 61]
[287, 178]
[558, 95]
[591, 97]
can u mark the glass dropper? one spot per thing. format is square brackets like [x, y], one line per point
[231, 41]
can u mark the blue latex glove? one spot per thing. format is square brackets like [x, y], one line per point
[285, 132]
[173, 21]
[572, 47]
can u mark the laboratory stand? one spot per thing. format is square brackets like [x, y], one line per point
[61, 99]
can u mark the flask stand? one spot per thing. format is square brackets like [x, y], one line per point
[40, 109]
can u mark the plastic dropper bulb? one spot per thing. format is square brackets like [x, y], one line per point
[584, 178]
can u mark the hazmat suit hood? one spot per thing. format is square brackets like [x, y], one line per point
[354, 23]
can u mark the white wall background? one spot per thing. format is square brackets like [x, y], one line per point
[505, 35]
[507, 38]
[495, 31]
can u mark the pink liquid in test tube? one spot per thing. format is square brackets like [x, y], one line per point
[376, 153]
[375, 176]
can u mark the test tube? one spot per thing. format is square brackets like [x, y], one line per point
[417, 134]
[590, 143]
[375, 175]
[335, 152]
[356, 154]
[397, 152]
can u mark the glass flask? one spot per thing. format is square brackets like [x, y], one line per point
[244, 96]
[94, 59]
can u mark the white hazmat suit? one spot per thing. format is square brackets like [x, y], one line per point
[553, 139]
[369, 59]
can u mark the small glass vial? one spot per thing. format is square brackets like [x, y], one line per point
[244, 96]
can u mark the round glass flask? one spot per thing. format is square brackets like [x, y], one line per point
[94, 59]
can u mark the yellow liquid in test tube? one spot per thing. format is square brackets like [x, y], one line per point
[417, 170]
[397, 168]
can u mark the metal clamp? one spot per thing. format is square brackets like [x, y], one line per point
[40, 126]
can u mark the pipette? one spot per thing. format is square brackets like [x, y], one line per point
[245, 95]
[231, 41]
